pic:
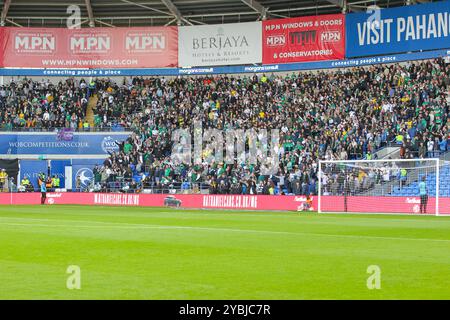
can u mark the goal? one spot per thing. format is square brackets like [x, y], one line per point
[379, 186]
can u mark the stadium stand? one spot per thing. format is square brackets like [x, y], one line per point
[43, 106]
[412, 188]
[346, 114]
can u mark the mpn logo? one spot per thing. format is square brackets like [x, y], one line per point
[274, 41]
[34, 43]
[330, 36]
[145, 42]
[90, 43]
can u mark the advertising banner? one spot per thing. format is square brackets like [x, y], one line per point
[302, 39]
[143, 47]
[220, 44]
[381, 204]
[394, 205]
[83, 169]
[2, 45]
[282, 67]
[402, 29]
[32, 169]
[52, 143]
[58, 168]
[236, 202]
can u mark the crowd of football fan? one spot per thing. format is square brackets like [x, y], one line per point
[42, 106]
[343, 114]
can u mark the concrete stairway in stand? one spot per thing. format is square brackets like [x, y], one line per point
[92, 104]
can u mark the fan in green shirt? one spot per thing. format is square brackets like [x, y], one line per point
[288, 145]
[97, 120]
[162, 130]
[438, 114]
[165, 180]
[290, 165]
[221, 170]
[194, 177]
[127, 148]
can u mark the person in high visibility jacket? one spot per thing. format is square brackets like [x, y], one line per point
[86, 125]
[26, 183]
[403, 176]
[91, 88]
[3, 178]
[55, 181]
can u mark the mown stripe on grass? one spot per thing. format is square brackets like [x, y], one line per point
[165, 227]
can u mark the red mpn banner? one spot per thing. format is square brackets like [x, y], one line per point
[304, 39]
[149, 47]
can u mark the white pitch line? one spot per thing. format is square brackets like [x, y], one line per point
[138, 226]
[403, 221]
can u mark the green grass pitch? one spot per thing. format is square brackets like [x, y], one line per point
[162, 253]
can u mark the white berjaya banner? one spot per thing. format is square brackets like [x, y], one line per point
[220, 44]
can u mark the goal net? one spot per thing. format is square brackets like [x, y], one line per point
[380, 186]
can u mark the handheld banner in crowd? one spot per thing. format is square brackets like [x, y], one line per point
[304, 39]
[220, 44]
[49, 143]
[402, 29]
[149, 47]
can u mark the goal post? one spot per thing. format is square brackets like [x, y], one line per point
[379, 186]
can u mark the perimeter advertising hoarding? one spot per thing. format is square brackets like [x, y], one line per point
[51, 143]
[282, 67]
[395, 205]
[303, 39]
[403, 29]
[143, 47]
[32, 169]
[84, 168]
[237, 202]
[220, 44]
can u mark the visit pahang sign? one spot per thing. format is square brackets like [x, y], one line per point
[403, 29]
[304, 39]
[152, 47]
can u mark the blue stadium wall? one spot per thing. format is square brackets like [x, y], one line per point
[49, 152]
